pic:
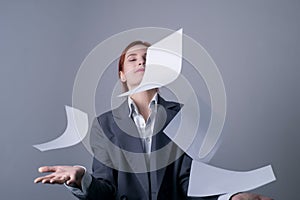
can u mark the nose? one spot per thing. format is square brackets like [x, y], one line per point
[142, 62]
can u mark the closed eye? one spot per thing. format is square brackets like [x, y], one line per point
[132, 59]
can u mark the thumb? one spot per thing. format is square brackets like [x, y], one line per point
[47, 169]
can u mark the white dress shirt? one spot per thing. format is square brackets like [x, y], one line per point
[145, 128]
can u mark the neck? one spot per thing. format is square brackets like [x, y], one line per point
[142, 101]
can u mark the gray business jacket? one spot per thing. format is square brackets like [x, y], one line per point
[118, 174]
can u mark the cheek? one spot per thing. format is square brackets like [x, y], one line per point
[128, 67]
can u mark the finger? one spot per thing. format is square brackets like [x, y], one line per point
[53, 179]
[40, 179]
[47, 169]
[64, 179]
[58, 180]
[46, 180]
[37, 180]
[71, 180]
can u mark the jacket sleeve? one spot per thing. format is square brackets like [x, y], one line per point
[102, 185]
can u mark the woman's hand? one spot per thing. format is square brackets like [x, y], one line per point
[61, 174]
[249, 196]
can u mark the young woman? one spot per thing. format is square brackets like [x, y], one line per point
[132, 127]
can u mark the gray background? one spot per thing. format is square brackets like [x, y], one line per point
[255, 44]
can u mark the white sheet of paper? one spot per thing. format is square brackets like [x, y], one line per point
[192, 149]
[75, 132]
[207, 180]
[163, 65]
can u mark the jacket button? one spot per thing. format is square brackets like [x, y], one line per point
[123, 197]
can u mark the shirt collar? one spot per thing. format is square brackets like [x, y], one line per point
[133, 108]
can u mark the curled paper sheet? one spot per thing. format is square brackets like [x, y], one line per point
[188, 137]
[164, 62]
[207, 180]
[75, 132]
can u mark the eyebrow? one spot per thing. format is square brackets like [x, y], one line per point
[134, 54]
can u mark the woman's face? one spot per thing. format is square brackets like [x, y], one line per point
[134, 66]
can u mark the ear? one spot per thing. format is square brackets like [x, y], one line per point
[122, 77]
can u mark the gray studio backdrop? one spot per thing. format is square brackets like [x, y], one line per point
[255, 44]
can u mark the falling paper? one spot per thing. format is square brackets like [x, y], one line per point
[182, 130]
[76, 130]
[164, 60]
[206, 180]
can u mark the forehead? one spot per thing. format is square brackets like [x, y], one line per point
[136, 49]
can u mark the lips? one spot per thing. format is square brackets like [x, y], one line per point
[140, 70]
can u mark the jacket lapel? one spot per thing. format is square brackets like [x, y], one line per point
[166, 111]
[129, 140]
